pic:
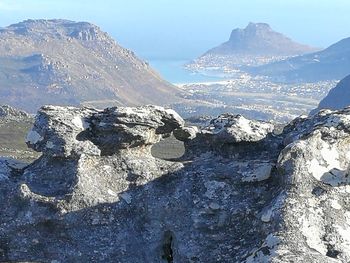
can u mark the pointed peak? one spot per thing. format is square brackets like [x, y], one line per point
[251, 29]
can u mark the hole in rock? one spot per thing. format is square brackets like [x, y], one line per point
[331, 252]
[168, 247]
[168, 149]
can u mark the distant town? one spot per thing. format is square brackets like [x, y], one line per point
[255, 97]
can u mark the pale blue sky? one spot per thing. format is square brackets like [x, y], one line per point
[187, 28]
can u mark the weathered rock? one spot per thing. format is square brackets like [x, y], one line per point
[63, 132]
[56, 132]
[314, 172]
[226, 134]
[125, 128]
[9, 112]
[98, 195]
[186, 133]
[229, 128]
[92, 147]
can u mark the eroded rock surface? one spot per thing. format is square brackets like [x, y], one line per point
[9, 112]
[241, 193]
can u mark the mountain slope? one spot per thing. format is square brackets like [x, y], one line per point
[330, 63]
[338, 97]
[254, 45]
[72, 63]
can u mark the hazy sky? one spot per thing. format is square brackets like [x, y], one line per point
[187, 28]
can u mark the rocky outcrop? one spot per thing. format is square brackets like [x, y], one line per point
[241, 193]
[84, 140]
[10, 113]
[223, 133]
[313, 171]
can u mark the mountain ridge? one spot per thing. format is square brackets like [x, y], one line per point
[330, 63]
[337, 98]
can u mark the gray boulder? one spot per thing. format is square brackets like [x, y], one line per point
[223, 133]
[66, 131]
[313, 169]
[229, 128]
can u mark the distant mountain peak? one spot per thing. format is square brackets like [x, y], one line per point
[260, 39]
[256, 44]
[251, 31]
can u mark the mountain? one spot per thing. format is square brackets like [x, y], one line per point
[338, 97]
[256, 44]
[259, 39]
[73, 63]
[328, 64]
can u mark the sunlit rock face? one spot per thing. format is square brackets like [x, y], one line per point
[88, 152]
[313, 170]
[241, 193]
